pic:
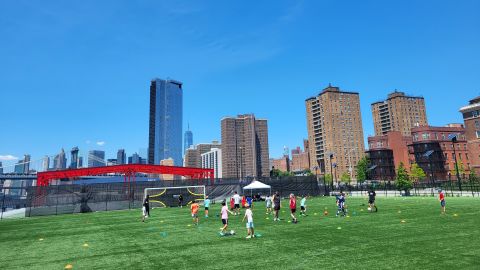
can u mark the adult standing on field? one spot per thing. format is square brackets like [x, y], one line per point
[276, 206]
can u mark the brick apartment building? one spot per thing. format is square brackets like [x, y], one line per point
[471, 118]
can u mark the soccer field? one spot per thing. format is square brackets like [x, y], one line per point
[118, 240]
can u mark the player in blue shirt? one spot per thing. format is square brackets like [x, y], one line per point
[206, 203]
[250, 201]
[341, 204]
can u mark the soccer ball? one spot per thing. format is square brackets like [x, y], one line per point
[232, 232]
[369, 209]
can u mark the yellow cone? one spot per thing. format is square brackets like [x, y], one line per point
[85, 245]
[68, 266]
[339, 228]
[455, 215]
[41, 239]
[403, 221]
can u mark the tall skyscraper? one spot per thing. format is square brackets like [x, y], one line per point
[335, 132]
[74, 158]
[121, 157]
[213, 160]
[23, 165]
[399, 112]
[134, 159]
[165, 127]
[193, 155]
[471, 117]
[244, 147]
[60, 161]
[187, 139]
[1, 167]
[96, 158]
[45, 163]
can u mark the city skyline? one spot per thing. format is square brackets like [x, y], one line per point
[274, 90]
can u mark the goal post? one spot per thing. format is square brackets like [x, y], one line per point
[170, 196]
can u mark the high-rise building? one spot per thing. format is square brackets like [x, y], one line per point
[282, 164]
[74, 158]
[80, 162]
[335, 132]
[167, 162]
[96, 158]
[471, 118]
[134, 159]
[300, 159]
[193, 155]
[1, 167]
[121, 157]
[23, 165]
[165, 127]
[399, 112]
[60, 161]
[45, 163]
[213, 160]
[187, 139]
[244, 147]
[441, 161]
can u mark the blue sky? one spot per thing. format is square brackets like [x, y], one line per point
[74, 73]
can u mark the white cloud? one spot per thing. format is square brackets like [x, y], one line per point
[101, 143]
[8, 157]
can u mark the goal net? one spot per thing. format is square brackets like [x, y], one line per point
[170, 196]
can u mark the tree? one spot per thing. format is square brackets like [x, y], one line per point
[403, 181]
[417, 173]
[308, 172]
[345, 178]
[328, 178]
[362, 170]
[473, 176]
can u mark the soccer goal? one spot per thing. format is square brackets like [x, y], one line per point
[170, 196]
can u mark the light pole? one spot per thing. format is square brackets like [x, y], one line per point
[454, 140]
[324, 183]
[331, 167]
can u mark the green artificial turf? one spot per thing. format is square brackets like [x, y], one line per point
[118, 240]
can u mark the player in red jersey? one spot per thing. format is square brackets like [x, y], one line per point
[441, 198]
[293, 208]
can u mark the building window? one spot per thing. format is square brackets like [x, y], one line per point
[478, 133]
[446, 156]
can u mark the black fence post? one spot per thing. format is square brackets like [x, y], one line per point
[3, 205]
[106, 196]
[56, 204]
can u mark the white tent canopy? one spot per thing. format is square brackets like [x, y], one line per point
[257, 185]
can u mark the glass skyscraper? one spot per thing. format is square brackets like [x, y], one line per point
[187, 140]
[165, 128]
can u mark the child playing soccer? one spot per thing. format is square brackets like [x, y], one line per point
[371, 200]
[276, 206]
[206, 204]
[293, 207]
[441, 198]
[341, 204]
[268, 202]
[194, 207]
[249, 202]
[146, 208]
[249, 216]
[303, 206]
[236, 199]
[224, 212]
